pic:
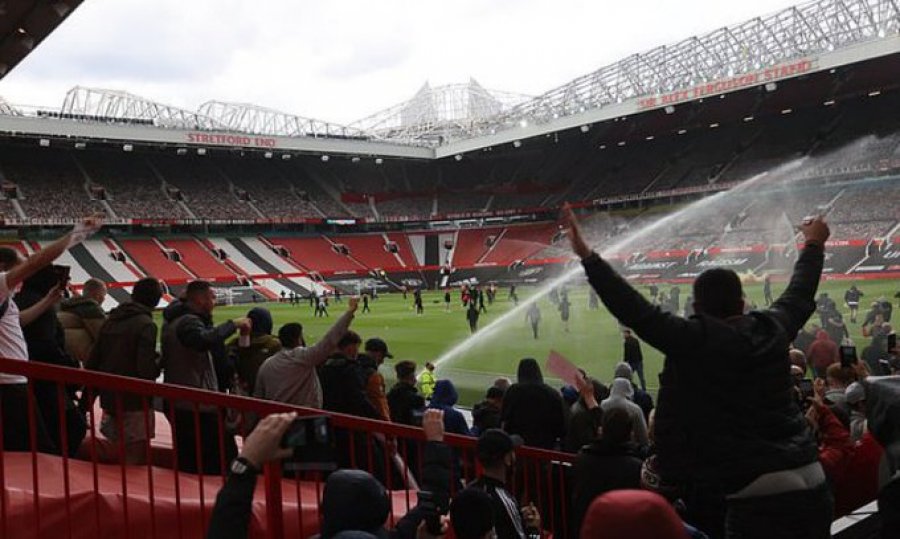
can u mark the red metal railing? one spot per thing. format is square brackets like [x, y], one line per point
[89, 490]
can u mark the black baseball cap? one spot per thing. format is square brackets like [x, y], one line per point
[378, 345]
[494, 444]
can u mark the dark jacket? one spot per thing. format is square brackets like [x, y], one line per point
[485, 416]
[726, 412]
[126, 346]
[191, 347]
[344, 387]
[600, 468]
[534, 410]
[444, 398]
[406, 404]
[583, 425]
[263, 345]
[632, 351]
[508, 522]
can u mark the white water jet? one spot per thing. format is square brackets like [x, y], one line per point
[659, 226]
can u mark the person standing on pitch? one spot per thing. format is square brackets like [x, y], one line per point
[564, 308]
[851, 298]
[447, 300]
[633, 356]
[481, 308]
[417, 300]
[767, 289]
[365, 308]
[533, 317]
[472, 316]
[512, 294]
[728, 429]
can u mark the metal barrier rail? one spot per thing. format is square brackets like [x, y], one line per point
[172, 493]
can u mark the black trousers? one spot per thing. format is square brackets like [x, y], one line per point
[792, 515]
[16, 428]
[186, 425]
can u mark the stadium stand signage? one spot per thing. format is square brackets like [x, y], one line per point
[771, 74]
[223, 139]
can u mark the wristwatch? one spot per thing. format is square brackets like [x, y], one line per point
[242, 466]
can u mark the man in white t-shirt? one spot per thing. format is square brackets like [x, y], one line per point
[15, 268]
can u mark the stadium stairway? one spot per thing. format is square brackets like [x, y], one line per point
[470, 245]
[91, 266]
[404, 249]
[252, 251]
[317, 253]
[519, 243]
[200, 261]
[148, 255]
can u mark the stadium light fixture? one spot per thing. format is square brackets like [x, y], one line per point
[670, 109]
[621, 143]
[80, 145]
[517, 144]
[771, 86]
[874, 93]
[523, 123]
[714, 125]
[127, 147]
[44, 143]
[682, 131]
[354, 159]
[324, 158]
[285, 157]
[179, 151]
[649, 137]
[21, 30]
[458, 157]
[748, 118]
[379, 160]
[829, 103]
[268, 155]
[787, 111]
[603, 146]
[585, 128]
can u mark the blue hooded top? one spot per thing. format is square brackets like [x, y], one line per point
[444, 398]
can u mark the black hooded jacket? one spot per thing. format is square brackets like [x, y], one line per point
[534, 410]
[726, 411]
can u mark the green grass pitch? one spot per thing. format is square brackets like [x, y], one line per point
[593, 341]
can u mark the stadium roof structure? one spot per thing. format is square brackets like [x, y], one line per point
[248, 118]
[452, 120]
[25, 23]
[439, 114]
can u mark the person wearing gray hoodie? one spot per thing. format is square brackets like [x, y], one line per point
[620, 395]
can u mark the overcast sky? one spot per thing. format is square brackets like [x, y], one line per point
[341, 60]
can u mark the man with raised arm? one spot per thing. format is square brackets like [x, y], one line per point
[728, 429]
[14, 269]
[290, 376]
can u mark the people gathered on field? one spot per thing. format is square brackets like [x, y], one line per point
[765, 423]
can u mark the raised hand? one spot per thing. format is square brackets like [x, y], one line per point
[815, 230]
[574, 232]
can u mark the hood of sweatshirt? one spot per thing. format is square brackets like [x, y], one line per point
[529, 372]
[353, 500]
[444, 394]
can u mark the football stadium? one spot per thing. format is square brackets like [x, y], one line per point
[653, 301]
